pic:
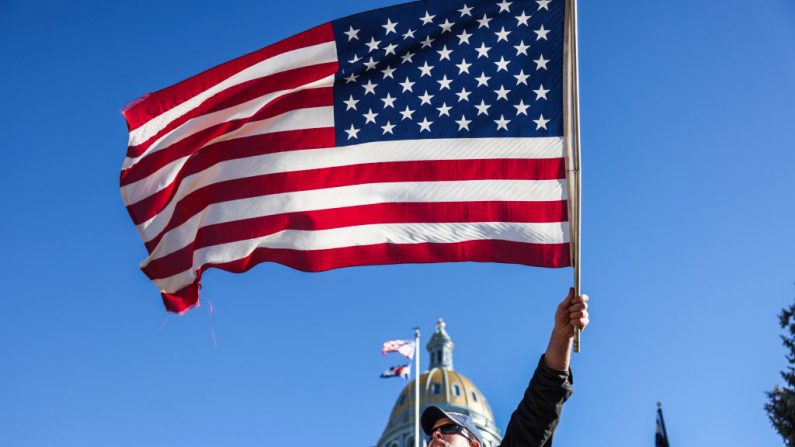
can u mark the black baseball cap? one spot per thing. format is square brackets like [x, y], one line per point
[433, 414]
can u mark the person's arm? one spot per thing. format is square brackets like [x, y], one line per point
[573, 311]
[535, 419]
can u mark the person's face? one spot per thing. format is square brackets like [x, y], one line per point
[439, 439]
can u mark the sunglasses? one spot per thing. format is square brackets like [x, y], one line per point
[452, 429]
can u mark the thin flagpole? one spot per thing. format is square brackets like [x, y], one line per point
[417, 387]
[572, 113]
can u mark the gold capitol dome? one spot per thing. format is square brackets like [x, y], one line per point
[445, 388]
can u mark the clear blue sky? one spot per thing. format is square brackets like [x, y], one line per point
[688, 245]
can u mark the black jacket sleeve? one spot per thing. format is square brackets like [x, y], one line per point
[535, 419]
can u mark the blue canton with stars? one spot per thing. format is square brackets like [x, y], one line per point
[450, 69]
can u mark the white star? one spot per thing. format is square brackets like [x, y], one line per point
[483, 51]
[541, 62]
[444, 83]
[426, 69]
[355, 59]
[464, 37]
[350, 103]
[427, 42]
[406, 113]
[351, 78]
[406, 85]
[541, 122]
[502, 34]
[504, 6]
[444, 53]
[425, 124]
[465, 11]
[541, 92]
[389, 26]
[542, 33]
[388, 128]
[542, 4]
[463, 123]
[427, 19]
[370, 64]
[521, 108]
[463, 66]
[502, 123]
[521, 78]
[409, 33]
[522, 19]
[426, 98]
[369, 117]
[483, 108]
[444, 109]
[483, 79]
[446, 26]
[352, 132]
[407, 58]
[502, 93]
[373, 44]
[484, 22]
[389, 49]
[502, 64]
[521, 48]
[352, 34]
[388, 72]
[463, 95]
[389, 101]
[369, 87]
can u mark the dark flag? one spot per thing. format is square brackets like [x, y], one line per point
[661, 437]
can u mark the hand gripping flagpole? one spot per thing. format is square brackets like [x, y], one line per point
[571, 104]
[417, 387]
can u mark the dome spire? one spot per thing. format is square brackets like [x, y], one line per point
[441, 347]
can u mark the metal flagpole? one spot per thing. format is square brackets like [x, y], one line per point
[572, 105]
[417, 387]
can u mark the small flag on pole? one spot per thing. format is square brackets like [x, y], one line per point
[403, 371]
[661, 437]
[402, 347]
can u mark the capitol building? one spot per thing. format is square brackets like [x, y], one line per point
[445, 388]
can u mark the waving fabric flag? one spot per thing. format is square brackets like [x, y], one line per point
[397, 371]
[661, 435]
[430, 131]
[403, 347]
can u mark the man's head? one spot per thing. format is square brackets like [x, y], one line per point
[449, 429]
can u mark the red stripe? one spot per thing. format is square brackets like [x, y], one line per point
[242, 93]
[313, 179]
[538, 255]
[154, 104]
[300, 99]
[382, 213]
[230, 150]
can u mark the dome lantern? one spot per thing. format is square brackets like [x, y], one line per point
[441, 348]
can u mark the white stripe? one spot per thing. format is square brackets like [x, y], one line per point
[311, 118]
[360, 235]
[239, 111]
[356, 195]
[311, 55]
[375, 152]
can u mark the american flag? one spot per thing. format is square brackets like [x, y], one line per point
[402, 347]
[422, 132]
